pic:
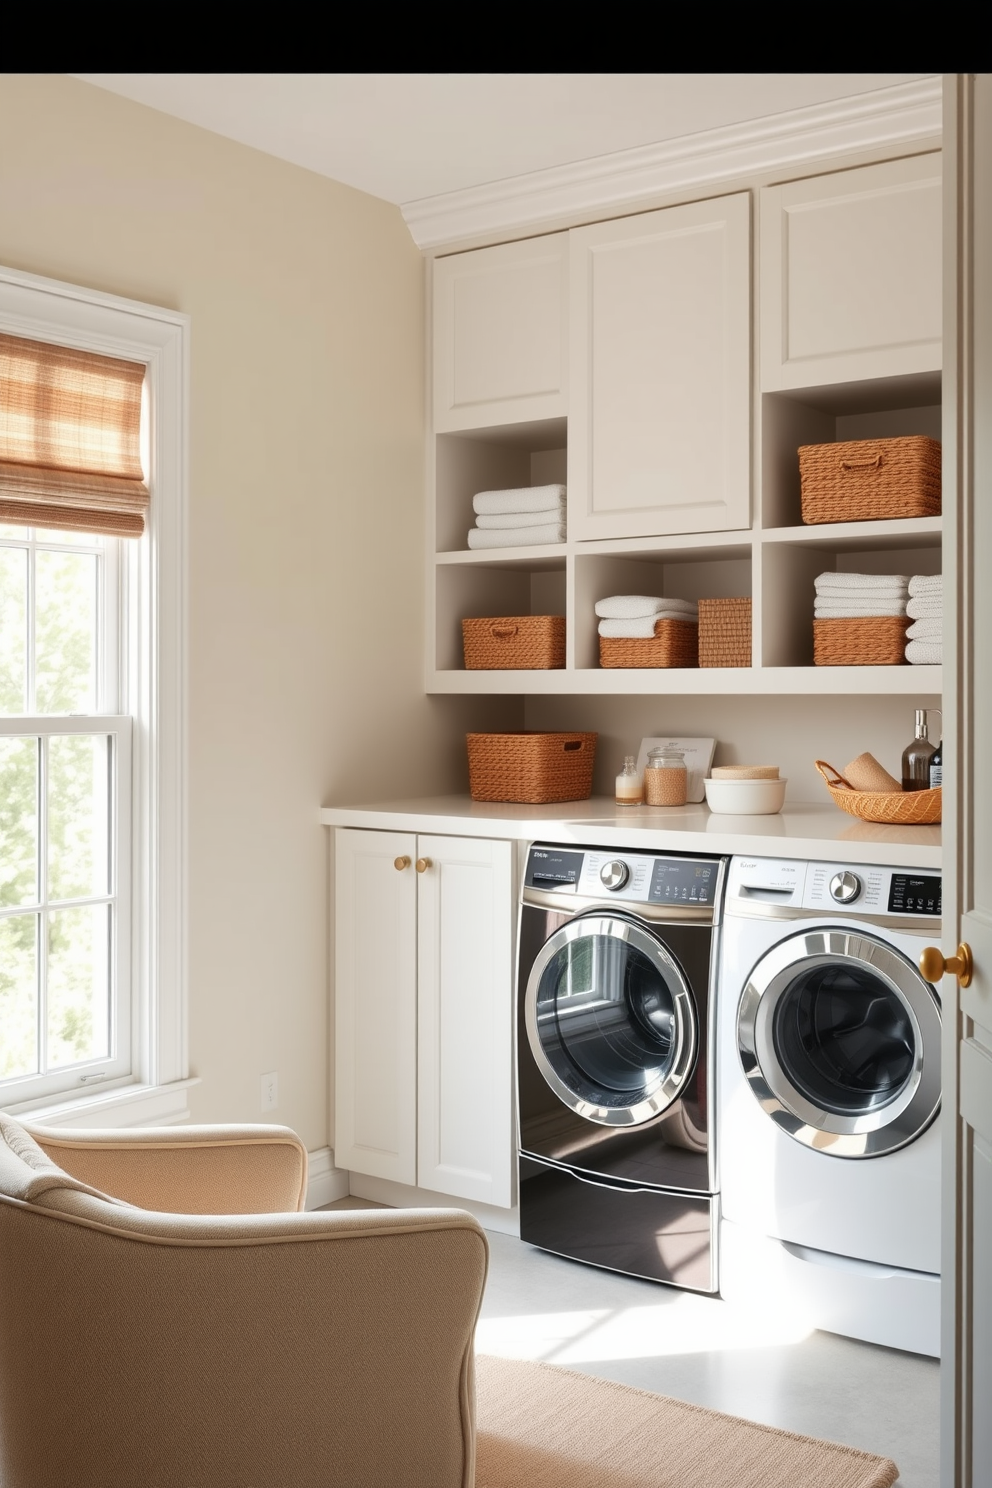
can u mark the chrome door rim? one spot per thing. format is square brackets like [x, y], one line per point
[870, 1134]
[686, 1025]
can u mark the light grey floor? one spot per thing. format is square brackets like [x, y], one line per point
[539, 1306]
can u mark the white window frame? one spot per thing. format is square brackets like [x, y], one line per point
[154, 585]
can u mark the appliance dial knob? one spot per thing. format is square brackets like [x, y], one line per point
[845, 887]
[614, 875]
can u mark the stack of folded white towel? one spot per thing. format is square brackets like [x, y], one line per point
[519, 518]
[633, 616]
[926, 610]
[849, 596]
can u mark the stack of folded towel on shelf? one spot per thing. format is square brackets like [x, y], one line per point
[926, 610]
[519, 518]
[634, 616]
[849, 596]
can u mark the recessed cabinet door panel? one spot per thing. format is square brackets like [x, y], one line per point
[851, 275]
[375, 935]
[466, 1019]
[659, 428]
[499, 334]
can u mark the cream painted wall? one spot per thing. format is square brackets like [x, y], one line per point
[306, 533]
[790, 732]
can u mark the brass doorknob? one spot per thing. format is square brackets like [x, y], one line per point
[934, 966]
[423, 864]
[401, 863]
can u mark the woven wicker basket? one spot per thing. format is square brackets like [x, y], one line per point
[866, 480]
[724, 632]
[530, 767]
[514, 643]
[675, 643]
[871, 640]
[894, 808]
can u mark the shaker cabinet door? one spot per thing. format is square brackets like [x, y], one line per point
[500, 344]
[660, 415]
[375, 998]
[465, 955]
[851, 275]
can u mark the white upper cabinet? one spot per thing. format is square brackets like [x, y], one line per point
[660, 414]
[500, 342]
[851, 275]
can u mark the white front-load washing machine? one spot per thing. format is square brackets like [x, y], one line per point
[828, 1094]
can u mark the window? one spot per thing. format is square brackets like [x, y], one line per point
[92, 830]
[65, 808]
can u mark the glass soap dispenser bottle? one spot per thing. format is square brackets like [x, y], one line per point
[629, 789]
[916, 757]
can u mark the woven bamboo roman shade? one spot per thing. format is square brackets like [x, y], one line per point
[70, 454]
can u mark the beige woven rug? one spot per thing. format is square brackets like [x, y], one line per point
[545, 1427]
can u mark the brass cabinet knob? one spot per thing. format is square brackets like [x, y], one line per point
[401, 863]
[934, 966]
[423, 864]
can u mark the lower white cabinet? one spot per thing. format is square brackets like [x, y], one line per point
[423, 1064]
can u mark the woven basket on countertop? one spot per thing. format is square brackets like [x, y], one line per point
[530, 767]
[725, 632]
[870, 480]
[868, 640]
[514, 643]
[894, 808]
[675, 643]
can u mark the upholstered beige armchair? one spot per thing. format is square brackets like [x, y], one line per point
[165, 1323]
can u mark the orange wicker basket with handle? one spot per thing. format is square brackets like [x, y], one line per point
[675, 643]
[865, 480]
[531, 767]
[894, 808]
[860, 640]
[514, 643]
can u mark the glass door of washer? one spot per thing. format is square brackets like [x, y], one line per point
[611, 1020]
[839, 1038]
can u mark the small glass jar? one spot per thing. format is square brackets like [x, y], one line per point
[665, 777]
[630, 790]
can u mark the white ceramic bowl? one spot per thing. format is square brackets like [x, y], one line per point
[745, 797]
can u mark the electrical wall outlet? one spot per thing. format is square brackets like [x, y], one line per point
[270, 1091]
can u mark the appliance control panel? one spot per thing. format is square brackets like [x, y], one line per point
[832, 888]
[602, 874]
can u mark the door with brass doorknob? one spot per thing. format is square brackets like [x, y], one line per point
[966, 1373]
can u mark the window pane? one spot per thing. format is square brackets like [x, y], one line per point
[16, 532]
[78, 985]
[13, 630]
[18, 820]
[67, 539]
[65, 632]
[78, 824]
[18, 995]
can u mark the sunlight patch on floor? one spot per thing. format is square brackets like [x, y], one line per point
[687, 1325]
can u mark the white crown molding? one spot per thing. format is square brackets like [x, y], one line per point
[888, 117]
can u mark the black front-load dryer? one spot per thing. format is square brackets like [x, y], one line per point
[614, 1060]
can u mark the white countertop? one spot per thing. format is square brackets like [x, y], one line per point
[816, 830]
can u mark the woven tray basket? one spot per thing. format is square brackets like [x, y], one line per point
[514, 643]
[895, 808]
[871, 640]
[530, 767]
[675, 643]
[724, 632]
[866, 480]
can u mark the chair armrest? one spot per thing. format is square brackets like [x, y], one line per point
[186, 1169]
[318, 1350]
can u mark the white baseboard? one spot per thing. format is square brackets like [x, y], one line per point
[401, 1196]
[326, 1182]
